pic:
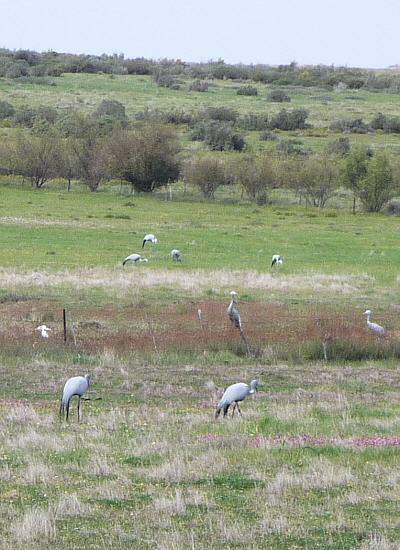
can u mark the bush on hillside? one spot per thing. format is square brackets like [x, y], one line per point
[247, 90]
[219, 136]
[199, 86]
[354, 126]
[278, 96]
[6, 109]
[289, 120]
[340, 146]
[222, 114]
[252, 121]
[207, 173]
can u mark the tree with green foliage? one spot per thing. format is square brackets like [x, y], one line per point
[146, 157]
[6, 109]
[377, 187]
[219, 136]
[110, 114]
[318, 178]
[35, 157]
[355, 169]
[205, 172]
[256, 176]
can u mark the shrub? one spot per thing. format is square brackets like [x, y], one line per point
[223, 114]
[145, 157]
[6, 109]
[220, 136]
[207, 173]
[251, 121]
[316, 180]
[150, 115]
[289, 120]
[199, 86]
[166, 80]
[378, 122]
[385, 123]
[393, 207]
[17, 69]
[340, 146]
[24, 116]
[109, 114]
[178, 117]
[290, 147]
[247, 90]
[268, 135]
[256, 176]
[139, 66]
[378, 186]
[354, 126]
[278, 96]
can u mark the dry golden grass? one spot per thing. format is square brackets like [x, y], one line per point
[194, 281]
[35, 526]
[70, 505]
[320, 474]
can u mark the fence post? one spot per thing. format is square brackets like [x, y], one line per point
[65, 324]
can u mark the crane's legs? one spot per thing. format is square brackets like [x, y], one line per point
[237, 404]
[233, 409]
[79, 405]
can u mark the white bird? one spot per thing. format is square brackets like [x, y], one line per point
[373, 326]
[150, 238]
[233, 312]
[276, 260]
[176, 255]
[234, 394]
[44, 331]
[135, 258]
[77, 385]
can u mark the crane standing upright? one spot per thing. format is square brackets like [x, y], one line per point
[234, 316]
[377, 329]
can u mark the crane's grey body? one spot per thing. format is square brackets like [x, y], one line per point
[77, 385]
[176, 255]
[135, 258]
[276, 260]
[149, 238]
[233, 312]
[234, 394]
[377, 329]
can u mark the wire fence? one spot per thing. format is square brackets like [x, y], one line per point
[193, 326]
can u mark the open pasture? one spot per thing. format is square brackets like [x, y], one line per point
[139, 94]
[313, 462]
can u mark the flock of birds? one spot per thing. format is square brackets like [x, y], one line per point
[176, 254]
[233, 395]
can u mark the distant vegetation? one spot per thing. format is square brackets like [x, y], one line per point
[29, 64]
[43, 142]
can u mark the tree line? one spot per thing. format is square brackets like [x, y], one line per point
[147, 155]
[27, 64]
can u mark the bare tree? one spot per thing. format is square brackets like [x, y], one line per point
[35, 157]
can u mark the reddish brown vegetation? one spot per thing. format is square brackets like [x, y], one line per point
[177, 327]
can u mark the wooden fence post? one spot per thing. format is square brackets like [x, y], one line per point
[65, 324]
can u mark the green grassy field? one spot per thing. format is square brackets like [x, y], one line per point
[138, 93]
[313, 462]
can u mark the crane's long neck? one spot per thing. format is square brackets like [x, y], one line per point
[368, 317]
